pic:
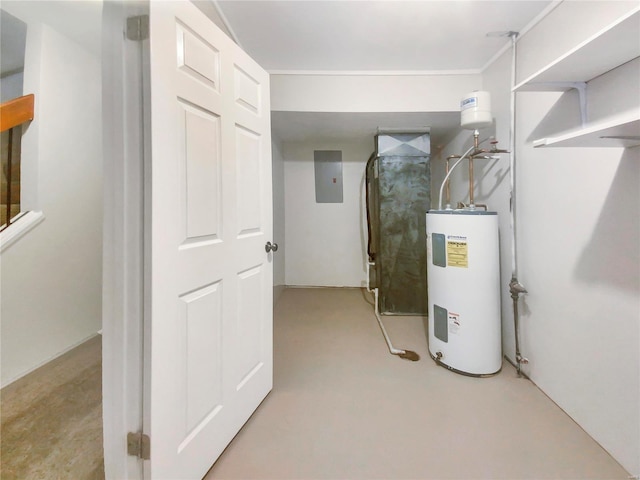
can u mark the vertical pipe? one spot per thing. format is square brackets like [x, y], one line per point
[471, 182]
[515, 287]
[512, 158]
[370, 254]
[9, 176]
[476, 145]
[448, 188]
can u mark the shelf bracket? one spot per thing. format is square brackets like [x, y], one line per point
[563, 86]
[582, 93]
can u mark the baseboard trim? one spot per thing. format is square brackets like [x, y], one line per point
[50, 359]
[352, 287]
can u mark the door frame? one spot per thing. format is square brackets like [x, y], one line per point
[125, 94]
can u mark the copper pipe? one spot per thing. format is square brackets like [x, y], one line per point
[471, 193]
[476, 135]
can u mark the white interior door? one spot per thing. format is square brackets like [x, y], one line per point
[209, 324]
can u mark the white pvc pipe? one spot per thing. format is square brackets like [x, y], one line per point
[368, 273]
[392, 350]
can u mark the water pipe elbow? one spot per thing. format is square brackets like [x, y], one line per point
[516, 288]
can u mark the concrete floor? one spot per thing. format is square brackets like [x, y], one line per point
[341, 407]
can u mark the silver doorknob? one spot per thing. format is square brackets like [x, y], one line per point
[271, 247]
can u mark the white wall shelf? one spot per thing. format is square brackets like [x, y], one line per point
[609, 48]
[614, 45]
[621, 132]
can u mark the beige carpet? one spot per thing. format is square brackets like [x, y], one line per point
[51, 420]
[343, 408]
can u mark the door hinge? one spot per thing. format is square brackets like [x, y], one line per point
[139, 445]
[138, 27]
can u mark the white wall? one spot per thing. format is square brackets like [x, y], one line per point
[11, 87]
[370, 93]
[278, 218]
[51, 279]
[326, 242]
[578, 235]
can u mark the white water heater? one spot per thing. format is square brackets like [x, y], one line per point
[464, 291]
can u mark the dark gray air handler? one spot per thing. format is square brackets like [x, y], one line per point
[398, 187]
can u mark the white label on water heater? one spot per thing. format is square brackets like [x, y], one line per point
[454, 322]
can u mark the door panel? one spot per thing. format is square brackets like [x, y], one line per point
[247, 91]
[209, 359]
[250, 320]
[248, 182]
[201, 354]
[197, 57]
[200, 169]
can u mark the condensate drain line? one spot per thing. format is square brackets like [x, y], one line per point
[405, 354]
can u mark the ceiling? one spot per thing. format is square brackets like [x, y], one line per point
[333, 36]
[398, 36]
[305, 126]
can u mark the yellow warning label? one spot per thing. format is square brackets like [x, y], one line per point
[457, 254]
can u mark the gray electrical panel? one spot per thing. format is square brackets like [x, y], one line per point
[328, 174]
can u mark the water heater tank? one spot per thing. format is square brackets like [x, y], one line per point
[464, 290]
[475, 110]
